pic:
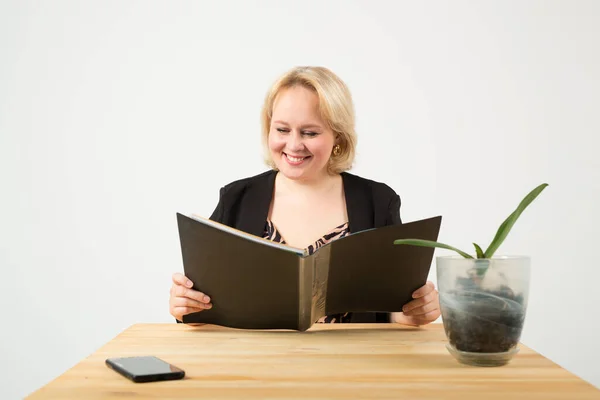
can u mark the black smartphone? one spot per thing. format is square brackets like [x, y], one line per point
[145, 369]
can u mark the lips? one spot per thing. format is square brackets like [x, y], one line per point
[295, 160]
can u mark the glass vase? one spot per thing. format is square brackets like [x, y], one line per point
[483, 304]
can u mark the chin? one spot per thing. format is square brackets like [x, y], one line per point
[291, 173]
[297, 175]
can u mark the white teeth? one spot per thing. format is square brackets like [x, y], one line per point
[294, 159]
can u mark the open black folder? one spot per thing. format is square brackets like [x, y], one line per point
[255, 283]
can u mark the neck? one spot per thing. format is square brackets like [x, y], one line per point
[319, 184]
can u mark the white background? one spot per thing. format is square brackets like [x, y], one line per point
[116, 115]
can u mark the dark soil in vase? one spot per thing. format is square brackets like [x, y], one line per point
[481, 321]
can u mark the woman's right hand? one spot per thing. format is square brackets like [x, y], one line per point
[185, 300]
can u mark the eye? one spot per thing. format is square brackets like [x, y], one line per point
[311, 134]
[282, 130]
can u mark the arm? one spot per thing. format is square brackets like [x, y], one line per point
[217, 214]
[424, 308]
[183, 299]
[393, 217]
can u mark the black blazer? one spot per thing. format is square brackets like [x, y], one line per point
[244, 204]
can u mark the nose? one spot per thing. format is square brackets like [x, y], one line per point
[295, 142]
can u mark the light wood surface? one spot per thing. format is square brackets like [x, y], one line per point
[337, 361]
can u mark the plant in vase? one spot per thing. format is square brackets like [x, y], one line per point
[483, 298]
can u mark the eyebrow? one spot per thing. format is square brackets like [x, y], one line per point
[312, 125]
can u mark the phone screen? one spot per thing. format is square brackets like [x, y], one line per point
[145, 368]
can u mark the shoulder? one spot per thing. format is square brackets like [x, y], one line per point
[379, 190]
[241, 185]
[241, 200]
[371, 203]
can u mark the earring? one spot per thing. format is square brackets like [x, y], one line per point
[337, 150]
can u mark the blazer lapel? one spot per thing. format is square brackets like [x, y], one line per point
[255, 203]
[359, 204]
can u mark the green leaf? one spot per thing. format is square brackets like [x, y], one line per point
[510, 221]
[478, 251]
[482, 266]
[428, 243]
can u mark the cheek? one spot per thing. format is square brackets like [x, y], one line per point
[275, 143]
[321, 148]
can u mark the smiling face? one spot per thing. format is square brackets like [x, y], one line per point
[299, 140]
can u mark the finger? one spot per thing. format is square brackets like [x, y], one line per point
[428, 317]
[420, 302]
[186, 302]
[181, 311]
[422, 310]
[424, 290]
[182, 280]
[181, 291]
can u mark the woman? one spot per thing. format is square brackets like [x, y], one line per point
[307, 198]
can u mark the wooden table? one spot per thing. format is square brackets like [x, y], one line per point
[329, 361]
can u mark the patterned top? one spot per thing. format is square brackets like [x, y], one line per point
[338, 232]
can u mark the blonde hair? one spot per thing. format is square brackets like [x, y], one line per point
[335, 106]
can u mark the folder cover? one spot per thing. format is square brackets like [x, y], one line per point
[255, 283]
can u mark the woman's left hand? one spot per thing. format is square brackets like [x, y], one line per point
[424, 309]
